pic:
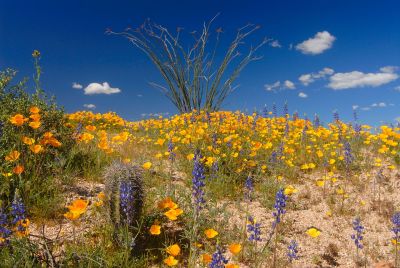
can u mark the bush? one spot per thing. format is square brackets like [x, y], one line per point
[33, 140]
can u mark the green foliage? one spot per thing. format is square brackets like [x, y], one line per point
[38, 183]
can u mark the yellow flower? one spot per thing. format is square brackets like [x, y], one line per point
[18, 170]
[155, 229]
[235, 248]
[231, 265]
[167, 203]
[28, 141]
[206, 258]
[13, 156]
[36, 148]
[210, 233]
[289, 190]
[34, 110]
[76, 209]
[147, 165]
[332, 161]
[313, 232]
[173, 250]
[18, 120]
[35, 124]
[171, 261]
[90, 128]
[190, 157]
[320, 182]
[173, 214]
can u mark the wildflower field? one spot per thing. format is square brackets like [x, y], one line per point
[197, 189]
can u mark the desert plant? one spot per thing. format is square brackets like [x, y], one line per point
[194, 80]
[124, 190]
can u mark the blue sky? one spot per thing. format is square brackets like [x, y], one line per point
[347, 53]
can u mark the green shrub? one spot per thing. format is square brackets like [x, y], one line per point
[33, 140]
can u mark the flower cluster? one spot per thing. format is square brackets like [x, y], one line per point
[280, 204]
[358, 236]
[292, 251]
[198, 182]
[218, 259]
[253, 229]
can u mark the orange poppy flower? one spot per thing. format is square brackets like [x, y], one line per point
[18, 120]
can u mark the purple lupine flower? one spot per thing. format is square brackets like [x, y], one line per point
[4, 231]
[274, 112]
[218, 259]
[1, 128]
[358, 236]
[396, 226]
[126, 201]
[295, 116]
[253, 229]
[18, 212]
[214, 139]
[348, 156]
[265, 111]
[273, 158]
[172, 155]
[285, 109]
[280, 204]
[198, 181]
[317, 122]
[249, 188]
[292, 251]
[336, 116]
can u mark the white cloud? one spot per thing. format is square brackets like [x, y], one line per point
[303, 95]
[275, 43]
[289, 84]
[96, 88]
[76, 85]
[380, 104]
[365, 108]
[388, 69]
[270, 87]
[139, 95]
[318, 44]
[307, 79]
[359, 79]
[90, 106]
[355, 107]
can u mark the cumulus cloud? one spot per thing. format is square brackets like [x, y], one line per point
[303, 95]
[317, 44]
[380, 104]
[275, 43]
[307, 79]
[96, 88]
[90, 106]
[287, 84]
[270, 87]
[76, 85]
[356, 79]
[388, 69]
[355, 106]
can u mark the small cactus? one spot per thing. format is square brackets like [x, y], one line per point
[124, 192]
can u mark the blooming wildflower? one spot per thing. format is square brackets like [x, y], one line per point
[155, 229]
[396, 227]
[206, 258]
[18, 214]
[173, 250]
[35, 124]
[348, 156]
[231, 265]
[36, 148]
[171, 261]
[235, 248]
[18, 120]
[358, 236]
[249, 188]
[126, 201]
[280, 204]
[253, 229]
[173, 214]
[36, 54]
[198, 182]
[4, 231]
[13, 156]
[147, 165]
[313, 232]
[210, 233]
[172, 155]
[336, 116]
[218, 259]
[167, 203]
[292, 251]
[289, 190]
[274, 112]
[18, 169]
[76, 209]
[317, 122]
[265, 111]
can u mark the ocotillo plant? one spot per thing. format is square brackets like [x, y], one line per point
[194, 78]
